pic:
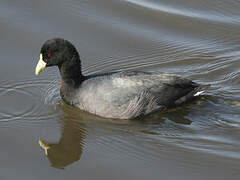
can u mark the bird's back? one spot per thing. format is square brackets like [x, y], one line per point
[127, 95]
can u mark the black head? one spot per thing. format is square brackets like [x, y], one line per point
[55, 52]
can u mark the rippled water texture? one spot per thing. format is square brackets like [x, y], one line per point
[43, 138]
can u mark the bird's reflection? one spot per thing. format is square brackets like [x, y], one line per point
[177, 115]
[70, 146]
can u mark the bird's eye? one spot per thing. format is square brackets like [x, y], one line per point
[49, 55]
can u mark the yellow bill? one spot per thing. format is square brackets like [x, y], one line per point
[44, 146]
[40, 65]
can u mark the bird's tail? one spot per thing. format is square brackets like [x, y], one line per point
[195, 92]
[200, 89]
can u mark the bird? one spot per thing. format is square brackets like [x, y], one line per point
[116, 95]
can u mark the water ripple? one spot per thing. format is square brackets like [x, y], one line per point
[186, 12]
[29, 100]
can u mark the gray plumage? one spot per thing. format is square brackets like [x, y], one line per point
[123, 95]
[130, 94]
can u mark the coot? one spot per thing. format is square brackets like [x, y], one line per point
[123, 95]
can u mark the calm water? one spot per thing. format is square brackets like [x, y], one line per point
[196, 39]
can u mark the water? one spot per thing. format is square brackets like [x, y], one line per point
[196, 39]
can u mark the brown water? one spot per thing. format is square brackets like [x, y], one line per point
[196, 39]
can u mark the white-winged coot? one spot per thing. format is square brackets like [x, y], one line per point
[123, 95]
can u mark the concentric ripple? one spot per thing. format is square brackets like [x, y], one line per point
[29, 100]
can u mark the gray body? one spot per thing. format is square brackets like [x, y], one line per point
[130, 94]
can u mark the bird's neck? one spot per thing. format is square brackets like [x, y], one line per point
[70, 71]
